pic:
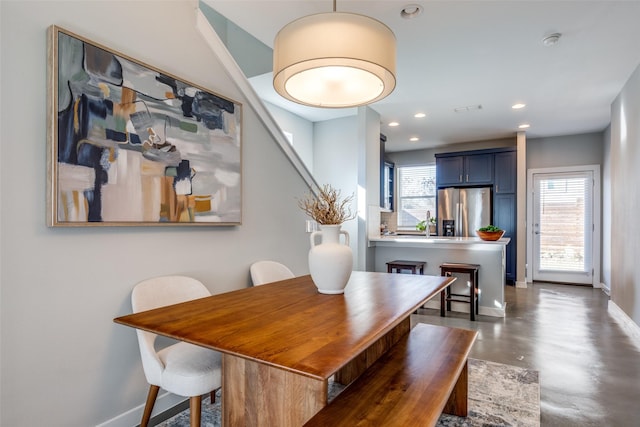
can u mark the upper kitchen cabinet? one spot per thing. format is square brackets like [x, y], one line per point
[387, 186]
[387, 173]
[460, 170]
[505, 172]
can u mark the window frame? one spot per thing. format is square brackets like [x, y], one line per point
[430, 174]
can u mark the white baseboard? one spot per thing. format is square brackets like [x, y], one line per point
[464, 308]
[520, 284]
[133, 416]
[606, 289]
[630, 327]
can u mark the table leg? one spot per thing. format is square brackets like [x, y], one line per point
[255, 394]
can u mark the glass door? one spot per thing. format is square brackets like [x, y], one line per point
[563, 227]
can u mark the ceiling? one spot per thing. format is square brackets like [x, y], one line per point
[479, 53]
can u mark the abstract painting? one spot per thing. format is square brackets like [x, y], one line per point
[132, 145]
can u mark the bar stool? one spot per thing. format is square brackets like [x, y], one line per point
[446, 269]
[416, 267]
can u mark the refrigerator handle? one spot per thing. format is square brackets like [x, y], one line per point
[459, 220]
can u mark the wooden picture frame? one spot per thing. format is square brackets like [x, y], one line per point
[130, 145]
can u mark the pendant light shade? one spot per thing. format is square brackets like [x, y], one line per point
[334, 60]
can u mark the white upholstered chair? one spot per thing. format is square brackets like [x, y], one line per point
[269, 271]
[183, 369]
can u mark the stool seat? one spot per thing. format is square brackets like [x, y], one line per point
[446, 269]
[416, 267]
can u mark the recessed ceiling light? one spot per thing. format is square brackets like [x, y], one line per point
[524, 126]
[411, 11]
[394, 124]
[518, 106]
[419, 115]
[414, 139]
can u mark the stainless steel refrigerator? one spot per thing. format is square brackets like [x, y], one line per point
[461, 211]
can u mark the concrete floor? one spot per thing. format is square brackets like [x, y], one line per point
[589, 368]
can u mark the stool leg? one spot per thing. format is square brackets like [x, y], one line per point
[442, 300]
[477, 291]
[448, 295]
[474, 296]
[389, 269]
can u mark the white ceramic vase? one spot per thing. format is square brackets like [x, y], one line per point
[330, 262]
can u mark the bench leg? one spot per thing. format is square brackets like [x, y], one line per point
[457, 404]
[443, 297]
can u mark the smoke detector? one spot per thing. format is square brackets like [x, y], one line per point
[551, 39]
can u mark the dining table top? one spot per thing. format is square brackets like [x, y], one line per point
[290, 325]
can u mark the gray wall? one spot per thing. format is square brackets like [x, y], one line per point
[301, 129]
[253, 56]
[63, 360]
[335, 162]
[624, 155]
[427, 156]
[570, 150]
[606, 210]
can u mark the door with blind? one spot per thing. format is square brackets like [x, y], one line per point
[563, 227]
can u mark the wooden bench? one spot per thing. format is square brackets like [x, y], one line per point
[422, 376]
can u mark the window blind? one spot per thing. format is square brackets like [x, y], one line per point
[565, 222]
[417, 194]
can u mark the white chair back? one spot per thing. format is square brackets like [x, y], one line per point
[269, 271]
[159, 292]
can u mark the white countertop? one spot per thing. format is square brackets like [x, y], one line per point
[435, 241]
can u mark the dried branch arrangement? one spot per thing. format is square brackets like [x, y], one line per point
[327, 207]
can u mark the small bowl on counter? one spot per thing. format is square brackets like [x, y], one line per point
[490, 236]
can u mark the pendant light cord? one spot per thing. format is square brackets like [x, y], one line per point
[334, 5]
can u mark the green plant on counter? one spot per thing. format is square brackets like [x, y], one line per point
[490, 228]
[421, 226]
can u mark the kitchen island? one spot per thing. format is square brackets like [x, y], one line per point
[436, 250]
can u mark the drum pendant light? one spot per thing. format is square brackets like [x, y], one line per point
[334, 60]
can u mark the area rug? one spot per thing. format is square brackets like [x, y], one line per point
[499, 396]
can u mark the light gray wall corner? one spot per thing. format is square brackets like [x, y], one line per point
[625, 203]
[335, 162]
[606, 210]
[368, 183]
[523, 244]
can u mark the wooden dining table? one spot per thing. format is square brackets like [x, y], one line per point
[282, 342]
